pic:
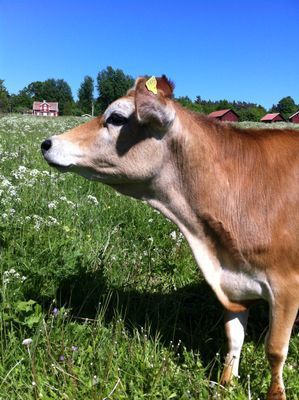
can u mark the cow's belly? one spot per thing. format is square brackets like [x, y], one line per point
[243, 285]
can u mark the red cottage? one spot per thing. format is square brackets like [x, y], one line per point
[45, 108]
[295, 118]
[275, 117]
[225, 115]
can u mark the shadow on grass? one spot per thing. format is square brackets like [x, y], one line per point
[191, 314]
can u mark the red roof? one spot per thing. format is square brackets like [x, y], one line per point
[219, 113]
[297, 112]
[53, 106]
[270, 117]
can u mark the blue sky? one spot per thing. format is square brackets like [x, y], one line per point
[238, 50]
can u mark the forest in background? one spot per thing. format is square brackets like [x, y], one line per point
[113, 83]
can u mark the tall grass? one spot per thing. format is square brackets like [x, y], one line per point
[107, 292]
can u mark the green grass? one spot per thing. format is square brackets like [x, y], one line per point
[107, 290]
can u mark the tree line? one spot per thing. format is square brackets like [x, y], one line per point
[113, 83]
[110, 84]
[246, 111]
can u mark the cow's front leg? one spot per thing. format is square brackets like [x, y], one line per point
[235, 327]
[282, 316]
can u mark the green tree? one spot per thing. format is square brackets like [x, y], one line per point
[63, 94]
[207, 106]
[85, 95]
[21, 102]
[4, 98]
[36, 90]
[71, 108]
[223, 105]
[186, 102]
[111, 85]
[286, 106]
[254, 113]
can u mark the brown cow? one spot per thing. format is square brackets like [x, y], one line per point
[232, 192]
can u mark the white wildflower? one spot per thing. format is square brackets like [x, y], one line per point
[27, 342]
[52, 205]
[173, 235]
[34, 172]
[5, 182]
[95, 380]
[37, 222]
[92, 199]
[52, 221]
[71, 204]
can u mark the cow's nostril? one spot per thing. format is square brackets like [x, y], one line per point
[46, 145]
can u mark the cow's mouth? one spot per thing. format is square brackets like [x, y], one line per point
[60, 168]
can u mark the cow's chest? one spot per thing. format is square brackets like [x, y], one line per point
[230, 282]
[240, 285]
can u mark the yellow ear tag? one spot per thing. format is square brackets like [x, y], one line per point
[151, 85]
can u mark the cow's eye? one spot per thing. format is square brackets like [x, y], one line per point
[116, 119]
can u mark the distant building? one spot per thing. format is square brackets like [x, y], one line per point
[225, 115]
[294, 118]
[275, 117]
[45, 108]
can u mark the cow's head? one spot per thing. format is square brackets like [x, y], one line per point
[125, 144]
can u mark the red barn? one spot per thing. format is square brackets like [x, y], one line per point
[45, 108]
[295, 118]
[275, 117]
[225, 115]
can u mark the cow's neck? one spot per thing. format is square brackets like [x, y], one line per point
[173, 203]
[192, 183]
[218, 186]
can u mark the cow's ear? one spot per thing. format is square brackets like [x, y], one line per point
[165, 85]
[152, 101]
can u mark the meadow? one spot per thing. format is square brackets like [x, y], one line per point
[100, 296]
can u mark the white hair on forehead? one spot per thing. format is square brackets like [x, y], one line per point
[124, 106]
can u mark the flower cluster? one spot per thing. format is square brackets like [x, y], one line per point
[92, 200]
[12, 275]
[176, 237]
